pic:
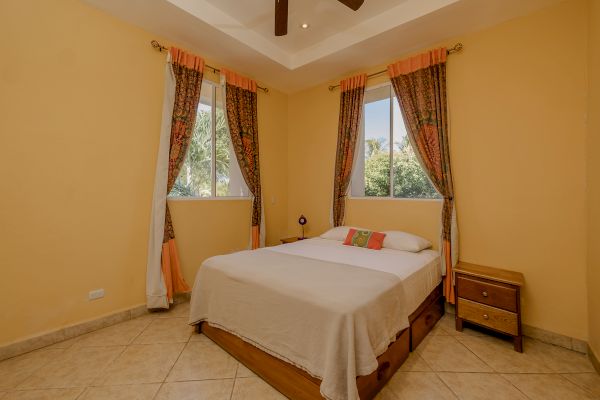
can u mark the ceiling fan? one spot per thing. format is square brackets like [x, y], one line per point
[281, 13]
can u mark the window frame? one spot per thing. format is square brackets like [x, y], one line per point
[213, 162]
[391, 154]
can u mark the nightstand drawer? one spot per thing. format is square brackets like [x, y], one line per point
[492, 294]
[491, 317]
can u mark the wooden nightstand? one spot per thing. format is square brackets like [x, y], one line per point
[489, 297]
[291, 239]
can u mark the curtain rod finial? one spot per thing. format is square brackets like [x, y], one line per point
[158, 46]
[456, 48]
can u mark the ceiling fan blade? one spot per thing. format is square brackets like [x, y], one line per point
[281, 17]
[353, 4]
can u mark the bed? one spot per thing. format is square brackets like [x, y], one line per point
[317, 319]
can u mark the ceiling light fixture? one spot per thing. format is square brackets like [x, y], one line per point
[304, 26]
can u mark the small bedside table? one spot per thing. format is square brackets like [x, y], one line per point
[489, 297]
[291, 239]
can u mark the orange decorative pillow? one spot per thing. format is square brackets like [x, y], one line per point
[369, 239]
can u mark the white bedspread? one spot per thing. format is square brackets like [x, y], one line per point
[420, 272]
[326, 308]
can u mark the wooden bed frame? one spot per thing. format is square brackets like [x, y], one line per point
[297, 384]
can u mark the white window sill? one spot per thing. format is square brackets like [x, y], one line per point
[191, 198]
[394, 198]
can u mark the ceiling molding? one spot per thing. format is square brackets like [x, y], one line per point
[392, 17]
[304, 60]
[205, 11]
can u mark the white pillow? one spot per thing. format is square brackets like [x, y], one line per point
[405, 241]
[338, 233]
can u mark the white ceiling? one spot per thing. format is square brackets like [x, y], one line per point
[326, 18]
[239, 33]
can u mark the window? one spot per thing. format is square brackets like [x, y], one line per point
[386, 165]
[210, 168]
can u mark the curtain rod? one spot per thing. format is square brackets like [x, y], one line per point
[162, 48]
[454, 49]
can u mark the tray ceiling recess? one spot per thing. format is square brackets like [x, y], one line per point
[325, 40]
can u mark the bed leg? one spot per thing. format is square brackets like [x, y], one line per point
[198, 327]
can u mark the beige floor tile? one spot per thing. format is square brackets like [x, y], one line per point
[415, 362]
[203, 360]
[438, 330]
[244, 372]
[589, 381]
[44, 394]
[547, 387]
[386, 394]
[181, 310]
[501, 356]
[122, 392]
[116, 335]
[559, 359]
[149, 315]
[146, 363]
[447, 324]
[254, 389]
[165, 330]
[417, 386]
[196, 390]
[199, 337]
[76, 367]
[15, 370]
[445, 353]
[478, 386]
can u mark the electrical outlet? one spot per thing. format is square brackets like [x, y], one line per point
[96, 294]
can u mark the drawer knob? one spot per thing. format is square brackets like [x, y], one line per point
[484, 293]
[485, 316]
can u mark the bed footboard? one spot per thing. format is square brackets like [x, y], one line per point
[295, 383]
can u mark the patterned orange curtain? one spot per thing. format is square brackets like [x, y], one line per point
[188, 71]
[420, 85]
[351, 102]
[240, 102]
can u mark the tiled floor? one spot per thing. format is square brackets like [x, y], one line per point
[158, 356]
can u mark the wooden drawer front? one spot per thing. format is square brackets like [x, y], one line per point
[491, 317]
[497, 295]
[388, 364]
[423, 324]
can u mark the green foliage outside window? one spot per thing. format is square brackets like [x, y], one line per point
[195, 176]
[410, 180]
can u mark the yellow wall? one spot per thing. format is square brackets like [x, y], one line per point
[518, 156]
[421, 217]
[81, 100]
[593, 159]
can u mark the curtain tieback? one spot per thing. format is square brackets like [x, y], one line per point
[448, 198]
